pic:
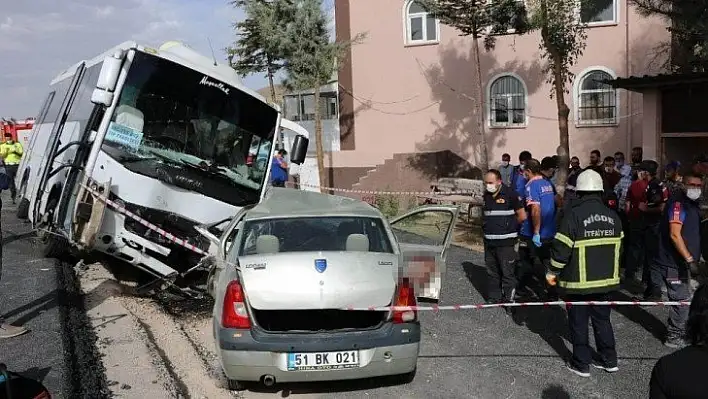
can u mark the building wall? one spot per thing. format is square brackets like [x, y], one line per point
[399, 98]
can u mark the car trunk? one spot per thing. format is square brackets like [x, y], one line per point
[286, 292]
[318, 320]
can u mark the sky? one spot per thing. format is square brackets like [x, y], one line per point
[41, 38]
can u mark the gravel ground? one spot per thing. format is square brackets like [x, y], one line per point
[465, 354]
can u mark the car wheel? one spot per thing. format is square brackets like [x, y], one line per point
[235, 385]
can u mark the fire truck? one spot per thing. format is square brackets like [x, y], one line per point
[20, 130]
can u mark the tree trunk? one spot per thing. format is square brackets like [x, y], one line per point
[319, 145]
[271, 84]
[483, 162]
[563, 150]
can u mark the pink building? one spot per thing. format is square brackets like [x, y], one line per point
[407, 111]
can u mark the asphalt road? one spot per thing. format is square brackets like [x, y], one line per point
[42, 295]
[29, 297]
[487, 354]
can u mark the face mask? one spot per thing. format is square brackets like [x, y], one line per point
[608, 169]
[693, 193]
[492, 188]
[505, 163]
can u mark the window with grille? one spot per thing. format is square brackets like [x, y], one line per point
[597, 102]
[507, 102]
[421, 26]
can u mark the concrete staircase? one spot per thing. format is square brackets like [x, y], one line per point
[415, 172]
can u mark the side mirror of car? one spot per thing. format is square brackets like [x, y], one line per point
[299, 149]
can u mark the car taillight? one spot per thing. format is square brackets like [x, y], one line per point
[405, 297]
[234, 313]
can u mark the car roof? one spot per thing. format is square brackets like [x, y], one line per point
[288, 202]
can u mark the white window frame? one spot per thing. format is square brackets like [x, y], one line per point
[494, 125]
[577, 85]
[615, 21]
[407, 41]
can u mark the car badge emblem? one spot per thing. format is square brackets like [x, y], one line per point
[320, 265]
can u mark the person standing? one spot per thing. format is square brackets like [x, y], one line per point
[11, 153]
[519, 179]
[637, 157]
[672, 178]
[679, 251]
[595, 161]
[279, 169]
[539, 228]
[585, 267]
[502, 213]
[681, 374]
[652, 210]
[622, 188]
[635, 256]
[506, 169]
[611, 175]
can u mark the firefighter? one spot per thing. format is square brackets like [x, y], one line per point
[585, 267]
[11, 153]
[503, 213]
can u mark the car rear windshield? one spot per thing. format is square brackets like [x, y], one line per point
[315, 234]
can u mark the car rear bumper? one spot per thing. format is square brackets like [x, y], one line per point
[248, 355]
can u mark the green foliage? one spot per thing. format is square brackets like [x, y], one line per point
[262, 39]
[688, 24]
[388, 205]
[562, 38]
[311, 57]
[480, 18]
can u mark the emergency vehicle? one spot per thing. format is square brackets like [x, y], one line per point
[20, 130]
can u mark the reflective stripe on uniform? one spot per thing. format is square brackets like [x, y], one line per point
[501, 236]
[507, 212]
[582, 245]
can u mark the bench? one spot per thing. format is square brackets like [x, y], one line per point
[471, 196]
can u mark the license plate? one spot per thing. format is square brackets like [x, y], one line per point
[323, 360]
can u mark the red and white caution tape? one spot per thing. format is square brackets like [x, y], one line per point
[437, 308]
[149, 225]
[370, 192]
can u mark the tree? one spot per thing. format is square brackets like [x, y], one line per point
[688, 25]
[480, 19]
[562, 43]
[261, 39]
[311, 59]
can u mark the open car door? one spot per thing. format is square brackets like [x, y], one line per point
[424, 236]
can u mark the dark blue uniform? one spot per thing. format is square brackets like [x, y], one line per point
[500, 227]
[673, 269]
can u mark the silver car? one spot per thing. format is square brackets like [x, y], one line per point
[292, 266]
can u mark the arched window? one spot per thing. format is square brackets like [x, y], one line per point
[597, 99]
[507, 102]
[421, 26]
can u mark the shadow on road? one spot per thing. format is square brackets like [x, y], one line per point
[555, 392]
[640, 316]
[548, 323]
[17, 236]
[304, 388]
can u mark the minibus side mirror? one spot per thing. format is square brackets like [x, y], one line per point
[299, 149]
